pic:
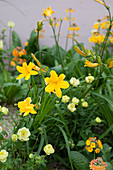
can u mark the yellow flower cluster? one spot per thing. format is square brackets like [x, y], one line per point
[97, 32]
[93, 144]
[97, 39]
[98, 164]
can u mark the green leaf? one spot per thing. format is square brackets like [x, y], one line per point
[81, 143]
[79, 160]
[109, 167]
[16, 39]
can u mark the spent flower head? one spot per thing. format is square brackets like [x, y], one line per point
[75, 82]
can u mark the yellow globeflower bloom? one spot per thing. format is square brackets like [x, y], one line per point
[26, 71]
[55, 83]
[26, 107]
[88, 142]
[48, 149]
[48, 12]
[97, 150]
[3, 155]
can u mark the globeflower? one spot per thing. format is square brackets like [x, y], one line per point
[84, 104]
[26, 107]
[4, 110]
[14, 137]
[65, 99]
[98, 120]
[75, 82]
[3, 155]
[0, 129]
[75, 100]
[48, 12]
[89, 79]
[98, 164]
[23, 134]
[55, 83]
[93, 144]
[1, 45]
[71, 107]
[11, 24]
[26, 71]
[48, 149]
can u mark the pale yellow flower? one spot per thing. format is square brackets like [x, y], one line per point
[75, 82]
[1, 45]
[84, 104]
[48, 149]
[65, 99]
[11, 24]
[4, 110]
[3, 155]
[23, 134]
[0, 129]
[75, 100]
[89, 79]
[71, 107]
[98, 120]
[14, 137]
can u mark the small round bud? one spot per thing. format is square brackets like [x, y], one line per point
[14, 137]
[31, 155]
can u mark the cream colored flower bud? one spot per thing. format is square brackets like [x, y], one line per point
[75, 100]
[98, 120]
[84, 104]
[11, 24]
[0, 129]
[89, 79]
[14, 137]
[1, 45]
[71, 107]
[4, 110]
[75, 82]
[3, 155]
[48, 149]
[65, 99]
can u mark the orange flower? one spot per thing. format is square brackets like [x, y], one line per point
[18, 51]
[26, 107]
[12, 63]
[98, 164]
[90, 64]
[55, 83]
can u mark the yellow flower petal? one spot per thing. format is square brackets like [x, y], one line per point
[61, 77]
[64, 84]
[20, 76]
[50, 88]
[33, 72]
[58, 92]
[27, 77]
[54, 75]
[20, 69]
[26, 113]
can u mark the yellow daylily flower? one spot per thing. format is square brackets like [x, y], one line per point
[90, 64]
[26, 107]
[48, 12]
[55, 83]
[26, 71]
